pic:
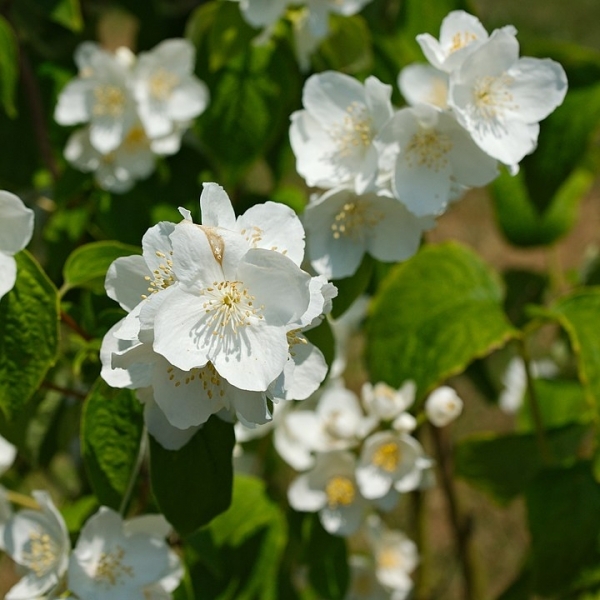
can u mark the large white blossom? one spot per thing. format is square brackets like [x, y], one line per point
[500, 98]
[38, 541]
[127, 560]
[16, 227]
[332, 137]
[434, 154]
[342, 226]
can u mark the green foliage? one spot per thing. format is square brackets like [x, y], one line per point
[563, 506]
[350, 288]
[9, 67]
[238, 555]
[111, 432]
[433, 315]
[322, 337]
[194, 484]
[28, 334]
[504, 465]
[86, 267]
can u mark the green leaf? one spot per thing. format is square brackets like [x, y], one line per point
[66, 13]
[87, 265]
[111, 432]
[327, 556]
[521, 221]
[322, 337]
[433, 315]
[248, 540]
[28, 334]
[563, 507]
[350, 288]
[504, 465]
[561, 401]
[579, 314]
[194, 484]
[9, 67]
[348, 47]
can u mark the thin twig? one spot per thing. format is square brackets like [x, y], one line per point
[65, 391]
[134, 474]
[36, 109]
[460, 525]
[68, 320]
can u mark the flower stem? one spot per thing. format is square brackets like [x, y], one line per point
[68, 320]
[460, 525]
[534, 406]
[134, 474]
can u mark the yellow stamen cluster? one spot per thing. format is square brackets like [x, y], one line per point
[208, 376]
[340, 491]
[353, 219]
[110, 569]
[355, 131]
[161, 84]
[428, 148]
[41, 554]
[109, 101]
[491, 96]
[387, 457]
[460, 40]
[162, 277]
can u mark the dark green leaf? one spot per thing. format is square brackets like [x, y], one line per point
[28, 334]
[111, 432]
[322, 337]
[350, 288]
[87, 266]
[503, 465]
[9, 67]
[194, 484]
[563, 506]
[433, 315]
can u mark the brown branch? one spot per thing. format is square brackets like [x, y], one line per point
[68, 320]
[66, 391]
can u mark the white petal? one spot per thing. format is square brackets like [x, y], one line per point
[8, 273]
[216, 207]
[126, 281]
[16, 223]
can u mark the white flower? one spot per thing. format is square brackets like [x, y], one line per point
[364, 584]
[424, 84]
[396, 556]
[341, 226]
[443, 406]
[16, 227]
[460, 34]
[294, 448]
[436, 153]
[332, 137]
[38, 540]
[100, 96]
[8, 453]
[500, 98]
[113, 559]
[166, 90]
[386, 403]
[118, 170]
[232, 307]
[330, 488]
[390, 460]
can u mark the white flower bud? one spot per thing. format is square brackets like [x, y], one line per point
[443, 406]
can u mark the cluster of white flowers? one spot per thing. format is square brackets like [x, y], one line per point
[216, 315]
[113, 558]
[389, 173]
[309, 19]
[135, 108]
[16, 227]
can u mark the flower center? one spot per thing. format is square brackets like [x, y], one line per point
[491, 96]
[163, 276]
[355, 132]
[42, 553]
[162, 83]
[212, 384]
[460, 40]
[387, 457]
[110, 569]
[340, 491]
[389, 559]
[135, 139]
[109, 100]
[353, 219]
[428, 148]
[230, 306]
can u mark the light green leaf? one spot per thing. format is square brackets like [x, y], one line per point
[28, 334]
[194, 484]
[579, 315]
[87, 265]
[504, 465]
[247, 540]
[111, 432]
[66, 13]
[433, 315]
[9, 67]
[563, 507]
